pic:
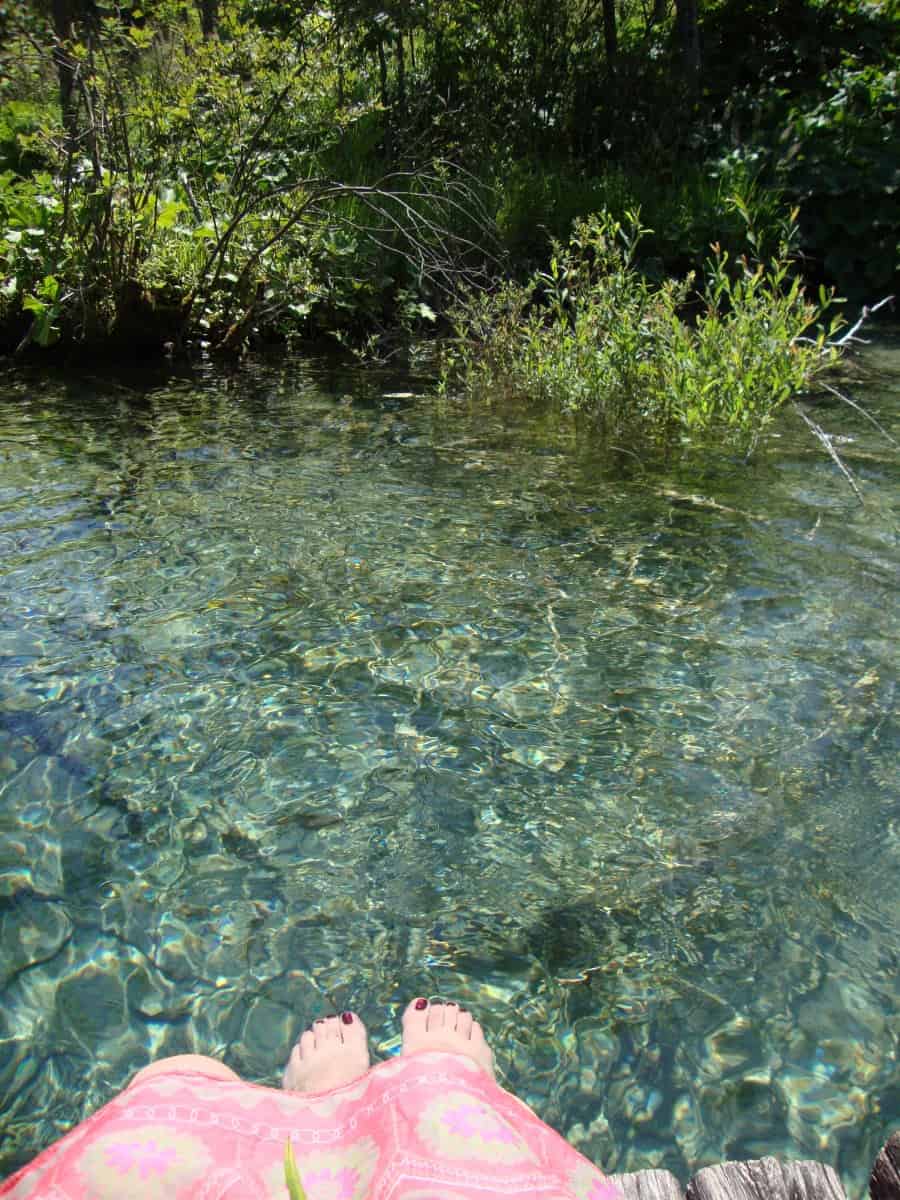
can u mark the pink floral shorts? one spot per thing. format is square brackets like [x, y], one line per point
[429, 1127]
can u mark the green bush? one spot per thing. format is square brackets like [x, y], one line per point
[178, 207]
[593, 335]
[22, 123]
[840, 163]
[540, 203]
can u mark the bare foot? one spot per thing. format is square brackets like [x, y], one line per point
[332, 1052]
[445, 1027]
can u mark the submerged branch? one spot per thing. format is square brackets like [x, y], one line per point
[862, 411]
[826, 440]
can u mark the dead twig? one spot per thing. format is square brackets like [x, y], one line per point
[863, 412]
[826, 441]
[850, 335]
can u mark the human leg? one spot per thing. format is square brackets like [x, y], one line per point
[196, 1064]
[420, 1124]
[460, 1118]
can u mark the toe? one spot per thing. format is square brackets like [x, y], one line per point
[306, 1046]
[451, 1016]
[415, 1017]
[292, 1069]
[441, 1015]
[330, 1031]
[464, 1023]
[353, 1031]
[484, 1054]
[434, 1015]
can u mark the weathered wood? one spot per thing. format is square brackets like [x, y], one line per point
[766, 1179]
[648, 1185]
[884, 1183]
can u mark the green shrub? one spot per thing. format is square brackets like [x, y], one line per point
[593, 335]
[178, 207]
[21, 143]
[840, 164]
[540, 203]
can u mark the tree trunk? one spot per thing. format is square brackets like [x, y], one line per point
[209, 17]
[766, 1177]
[688, 31]
[385, 99]
[610, 35]
[74, 19]
[401, 75]
[885, 1181]
[382, 73]
[65, 14]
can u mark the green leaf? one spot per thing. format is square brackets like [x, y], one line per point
[46, 332]
[291, 1174]
[141, 38]
[169, 213]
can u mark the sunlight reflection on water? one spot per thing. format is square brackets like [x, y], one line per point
[312, 704]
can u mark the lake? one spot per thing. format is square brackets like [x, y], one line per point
[320, 691]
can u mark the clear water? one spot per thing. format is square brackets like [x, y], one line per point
[317, 697]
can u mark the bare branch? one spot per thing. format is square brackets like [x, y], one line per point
[826, 441]
[850, 336]
[859, 408]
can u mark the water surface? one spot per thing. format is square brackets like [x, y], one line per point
[315, 696]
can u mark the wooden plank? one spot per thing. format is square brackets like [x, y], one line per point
[884, 1183]
[766, 1179]
[648, 1185]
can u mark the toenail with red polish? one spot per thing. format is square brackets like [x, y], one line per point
[347, 1018]
[420, 1004]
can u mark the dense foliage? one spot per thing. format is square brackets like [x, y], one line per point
[212, 173]
[185, 188]
[592, 335]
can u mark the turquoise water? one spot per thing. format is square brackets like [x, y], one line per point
[318, 696]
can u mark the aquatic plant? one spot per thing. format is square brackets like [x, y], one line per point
[675, 363]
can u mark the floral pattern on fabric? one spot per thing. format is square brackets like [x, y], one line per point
[327, 1104]
[588, 1183]
[154, 1162]
[231, 1183]
[343, 1173]
[423, 1191]
[459, 1125]
[419, 1128]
